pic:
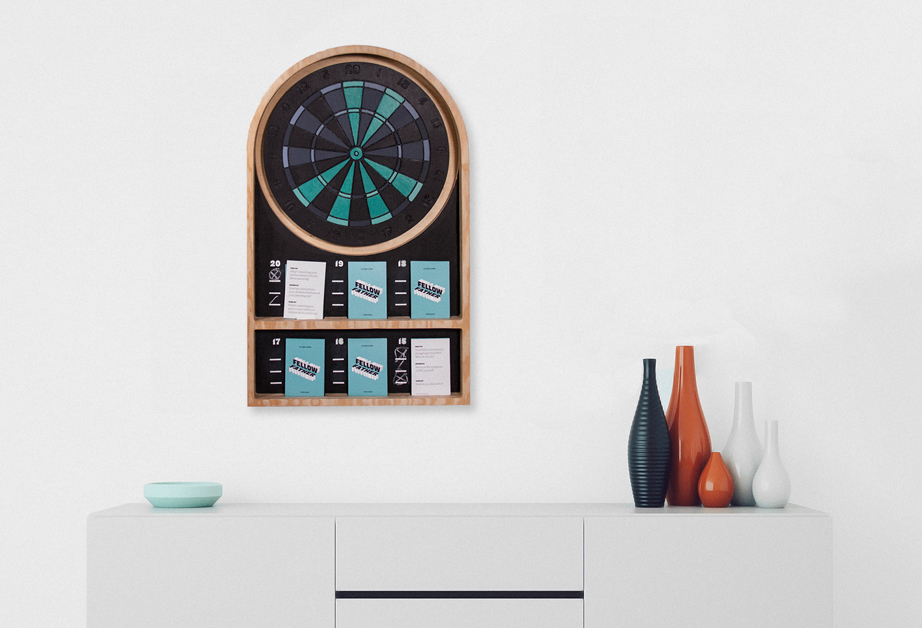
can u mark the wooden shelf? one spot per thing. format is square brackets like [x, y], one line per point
[345, 400]
[401, 322]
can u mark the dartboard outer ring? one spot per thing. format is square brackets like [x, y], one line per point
[358, 54]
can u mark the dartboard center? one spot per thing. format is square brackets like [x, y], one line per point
[356, 153]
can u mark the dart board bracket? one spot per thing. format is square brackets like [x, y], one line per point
[357, 157]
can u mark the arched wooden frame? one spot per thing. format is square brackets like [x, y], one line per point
[459, 163]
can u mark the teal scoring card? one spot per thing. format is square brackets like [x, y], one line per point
[430, 294]
[367, 367]
[367, 289]
[304, 373]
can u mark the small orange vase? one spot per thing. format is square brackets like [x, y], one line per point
[715, 486]
[689, 439]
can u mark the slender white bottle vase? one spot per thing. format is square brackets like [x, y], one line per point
[771, 486]
[743, 452]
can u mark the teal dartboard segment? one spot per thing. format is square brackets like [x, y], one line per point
[310, 189]
[301, 198]
[354, 123]
[344, 198]
[367, 182]
[404, 184]
[376, 207]
[388, 105]
[353, 92]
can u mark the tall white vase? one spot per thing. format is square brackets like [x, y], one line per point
[743, 452]
[771, 486]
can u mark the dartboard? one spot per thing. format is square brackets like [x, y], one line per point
[356, 154]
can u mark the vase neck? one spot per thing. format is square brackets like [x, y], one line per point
[649, 369]
[771, 438]
[742, 412]
[649, 375]
[685, 370]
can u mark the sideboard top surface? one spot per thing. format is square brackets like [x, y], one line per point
[230, 509]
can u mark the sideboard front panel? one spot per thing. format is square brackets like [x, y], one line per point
[701, 571]
[459, 554]
[476, 613]
[204, 572]
[415, 566]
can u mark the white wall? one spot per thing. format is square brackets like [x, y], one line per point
[743, 177]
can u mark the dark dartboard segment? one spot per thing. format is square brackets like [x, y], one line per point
[356, 153]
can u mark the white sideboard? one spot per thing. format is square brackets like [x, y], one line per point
[483, 566]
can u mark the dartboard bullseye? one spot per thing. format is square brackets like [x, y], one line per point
[356, 155]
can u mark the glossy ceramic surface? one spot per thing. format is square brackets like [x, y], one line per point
[743, 451]
[648, 444]
[715, 486]
[182, 494]
[771, 485]
[689, 439]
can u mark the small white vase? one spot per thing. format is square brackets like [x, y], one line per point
[771, 485]
[743, 452]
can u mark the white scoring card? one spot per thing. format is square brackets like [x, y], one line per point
[430, 366]
[304, 283]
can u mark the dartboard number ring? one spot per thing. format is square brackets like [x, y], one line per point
[356, 154]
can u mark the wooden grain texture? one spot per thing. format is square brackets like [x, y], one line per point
[455, 122]
[344, 400]
[395, 322]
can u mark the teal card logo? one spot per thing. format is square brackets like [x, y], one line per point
[367, 291]
[305, 369]
[430, 291]
[367, 368]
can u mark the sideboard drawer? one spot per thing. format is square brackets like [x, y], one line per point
[194, 568]
[471, 613]
[722, 567]
[459, 554]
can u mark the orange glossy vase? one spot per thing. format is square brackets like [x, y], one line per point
[689, 439]
[715, 486]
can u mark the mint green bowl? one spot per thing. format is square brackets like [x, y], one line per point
[182, 494]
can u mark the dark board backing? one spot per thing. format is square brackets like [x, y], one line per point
[275, 245]
[267, 355]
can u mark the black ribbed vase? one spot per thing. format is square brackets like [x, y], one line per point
[648, 445]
